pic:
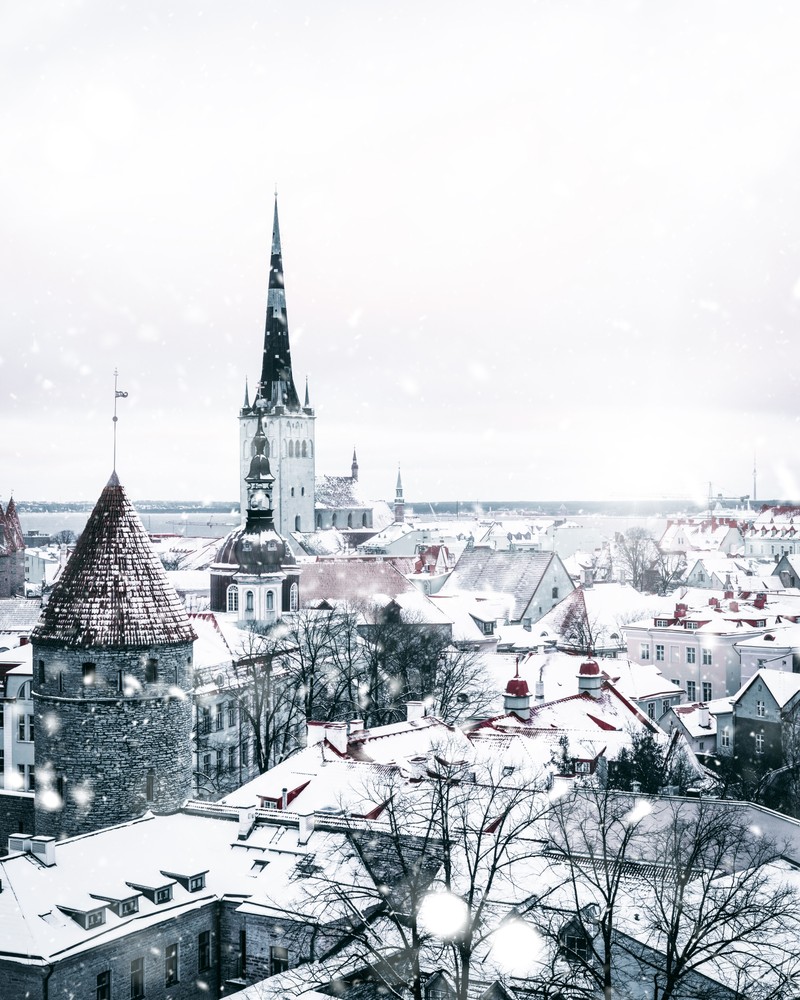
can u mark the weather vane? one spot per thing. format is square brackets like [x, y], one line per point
[118, 394]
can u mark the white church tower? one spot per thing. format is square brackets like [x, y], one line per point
[288, 425]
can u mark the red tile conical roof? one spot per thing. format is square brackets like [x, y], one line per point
[113, 592]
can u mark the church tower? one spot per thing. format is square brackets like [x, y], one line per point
[399, 502]
[112, 669]
[288, 424]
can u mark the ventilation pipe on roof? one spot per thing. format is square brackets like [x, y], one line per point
[247, 820]
[306, 828]
[415, 710]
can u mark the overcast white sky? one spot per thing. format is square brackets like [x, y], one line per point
[532, 250]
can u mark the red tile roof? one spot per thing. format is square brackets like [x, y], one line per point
[113, 591]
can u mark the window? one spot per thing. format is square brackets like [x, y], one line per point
[691, 690]
[706, 691]
[245, 752]
[2, 714]
[25, 728]
[219, 716]
[171, 964]
[278, 960]
[231, 758]
[665, 706]
[233, 598]
[294, 600]
[137, 978]
[725, 737]
[196, 883]
[651, 709]
[242, 953]
[270, 600]
[150, 786]
[60, 681]
[204, 722]
[164, 895]
[203, 951]
[249, 602]
[660, 652]
[645, 651]
[151, 670]
[662, 623]
[576, 947]
[761, 709]
[40, 666]
[31, 778]
[231, 713]
[89, 674]
[488, 628]
[759, 742]
[220, 761]
[103, 989]
[691, 654]
[706, 657]
[207, 764]
[555, 593]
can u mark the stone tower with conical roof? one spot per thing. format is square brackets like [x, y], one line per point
[112, 668]
[254, 574]
[288, 424]
[12, 553]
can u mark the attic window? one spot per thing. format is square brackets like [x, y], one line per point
[163, 895]
[197, 882]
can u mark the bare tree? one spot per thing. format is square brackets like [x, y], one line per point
[636, 549]
[704, 889]
[667, 569]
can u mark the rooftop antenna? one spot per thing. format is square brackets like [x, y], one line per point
[118, 394]
[754, 476]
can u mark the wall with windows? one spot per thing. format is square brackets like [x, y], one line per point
[757, 728]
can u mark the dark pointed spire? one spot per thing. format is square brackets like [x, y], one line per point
[246, 405]
[277, 383]
[399, 502]
[354, 466]
[306, 403]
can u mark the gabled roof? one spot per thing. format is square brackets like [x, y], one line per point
[781, 684]
[516, 572]
[114, 591]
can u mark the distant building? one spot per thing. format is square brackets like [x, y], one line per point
[12, 553]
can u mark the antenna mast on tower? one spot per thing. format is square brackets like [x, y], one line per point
[118, 394]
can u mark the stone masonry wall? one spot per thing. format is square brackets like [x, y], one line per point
[104, 743]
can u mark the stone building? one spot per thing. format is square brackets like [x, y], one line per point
[112, 674]
[12, 553]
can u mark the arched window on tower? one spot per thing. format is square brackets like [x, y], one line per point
[297, 523]
[319, 520]
[334, 519]
[150, 785]
[248, 603]
[294, 597]
[350, 519]
[364, 520]
[305, 446]
[291, 448]
[151, 670]
[270, 601]
[311, 449]
[233, 598]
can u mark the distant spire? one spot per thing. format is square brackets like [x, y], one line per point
[246, 395]
[277, 383]
[354, 466]
[399, 502]
[306, 403]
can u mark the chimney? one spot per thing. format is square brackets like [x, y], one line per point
[315, 733]
[734, 606]
[704, 717]
[356, 726]
[636, 787]
[44, 848]
[284, 798]
[306, 828]
[247, 820]
[539, 690]
[336, 735]
[760, 601]
[24, 640]
[415, 710]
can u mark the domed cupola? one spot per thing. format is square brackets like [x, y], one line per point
[249, 575]
[517, 697]
[590, 679]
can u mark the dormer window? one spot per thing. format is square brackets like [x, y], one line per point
[192, 881]
[157, 892]
[662, 623]
[86, 918]
[197, 883]
[164, 895]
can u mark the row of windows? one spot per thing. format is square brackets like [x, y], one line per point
[661, 653]
[301, 449]
[103, 986]
[26, 775]
[222, 712]
[233, 755]
[249, 599]
[365, 517]
[152, 675]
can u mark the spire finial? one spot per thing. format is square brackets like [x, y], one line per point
[118, 394]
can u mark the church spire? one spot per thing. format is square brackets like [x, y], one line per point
[399, 502]
[354, 467]
[277, 384]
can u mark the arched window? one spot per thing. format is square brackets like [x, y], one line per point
[270, 601]
[150, 788]
[294, 597]
[304, 449]
[151, 670]
[364, 520]
[292, 491]
[249, 602]
[297, 523]
[311, 448]
[350, 520]
[291, 449]
[334, 519]
[302, 491]
[319, 520]
[233, 598]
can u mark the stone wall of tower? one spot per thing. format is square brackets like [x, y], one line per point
[293, 489]
[120, 745]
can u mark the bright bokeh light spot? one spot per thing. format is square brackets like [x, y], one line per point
[49, 800]
[640, 810]
[517, 948]
[443, 914]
